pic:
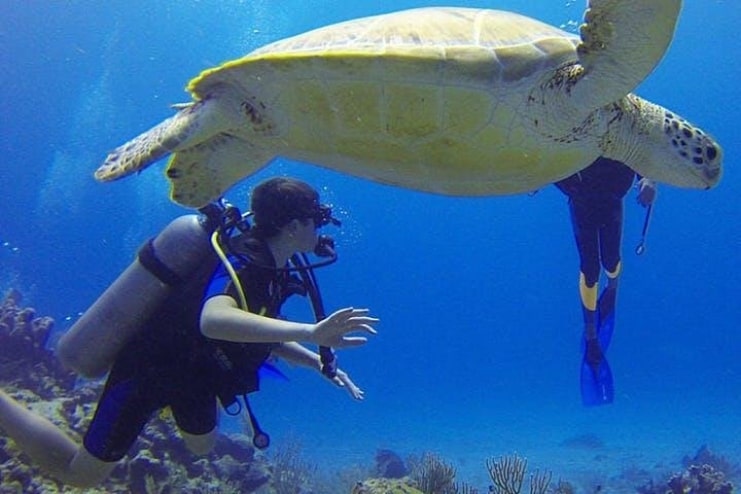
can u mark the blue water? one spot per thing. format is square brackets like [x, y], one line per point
[478, 349]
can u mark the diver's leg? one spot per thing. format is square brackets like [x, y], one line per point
[49, 447]
[587, 244]
[195, 412]
[610, 246]
[199, 444]
[611, 238]
[88, 470]
[586, 234]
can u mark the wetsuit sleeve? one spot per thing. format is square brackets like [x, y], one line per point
[218, 283]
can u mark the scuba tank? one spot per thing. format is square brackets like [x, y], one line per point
[161, 266]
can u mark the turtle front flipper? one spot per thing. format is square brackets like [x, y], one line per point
[621, 43]
[195, 122]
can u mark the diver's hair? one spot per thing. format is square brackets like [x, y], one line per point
[277, 201]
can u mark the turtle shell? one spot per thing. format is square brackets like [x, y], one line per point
[432, 99]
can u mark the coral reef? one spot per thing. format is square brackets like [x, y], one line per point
[389, 465]
[696, 479]
[25, 362]
[704, 456]
[386, 486]
[428, 474]
[699, 479]
[291, 473]
[433, 475]
[158, 463]
[508, 475]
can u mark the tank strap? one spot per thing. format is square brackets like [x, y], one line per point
[148, 258]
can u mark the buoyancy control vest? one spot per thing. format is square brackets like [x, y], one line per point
[238, 364]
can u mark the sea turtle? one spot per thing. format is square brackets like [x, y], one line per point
[454, 101]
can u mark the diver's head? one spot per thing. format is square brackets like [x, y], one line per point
[278, 201]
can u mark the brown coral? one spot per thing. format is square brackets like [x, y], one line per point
[699, 479]
[25, 362]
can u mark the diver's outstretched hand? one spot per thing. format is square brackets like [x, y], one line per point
[343, 381]
[646, 192]
[333, 331]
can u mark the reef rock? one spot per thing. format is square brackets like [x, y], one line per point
[700, 479]
[705, 456]
[389, 465]
[386, 486]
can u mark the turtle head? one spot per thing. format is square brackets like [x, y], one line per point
[667, 148]
[695, 155]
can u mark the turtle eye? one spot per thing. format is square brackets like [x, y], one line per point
[711, 152]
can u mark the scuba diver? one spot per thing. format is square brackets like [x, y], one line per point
[170, 338]
[596, 205]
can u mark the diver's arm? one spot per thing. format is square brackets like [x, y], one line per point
[646, 191]
[300, 355]
[221, 318]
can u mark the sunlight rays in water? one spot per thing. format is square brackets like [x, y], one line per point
[69, 172]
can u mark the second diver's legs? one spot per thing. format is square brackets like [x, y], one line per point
[586, 235]
[49, 447]
[610, 241]
[588, 295]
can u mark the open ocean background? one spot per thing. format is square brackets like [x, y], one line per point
[478, 350]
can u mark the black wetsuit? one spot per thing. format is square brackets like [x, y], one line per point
[596, 204]
[170, 363]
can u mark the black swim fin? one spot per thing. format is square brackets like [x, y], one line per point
[596, 376]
